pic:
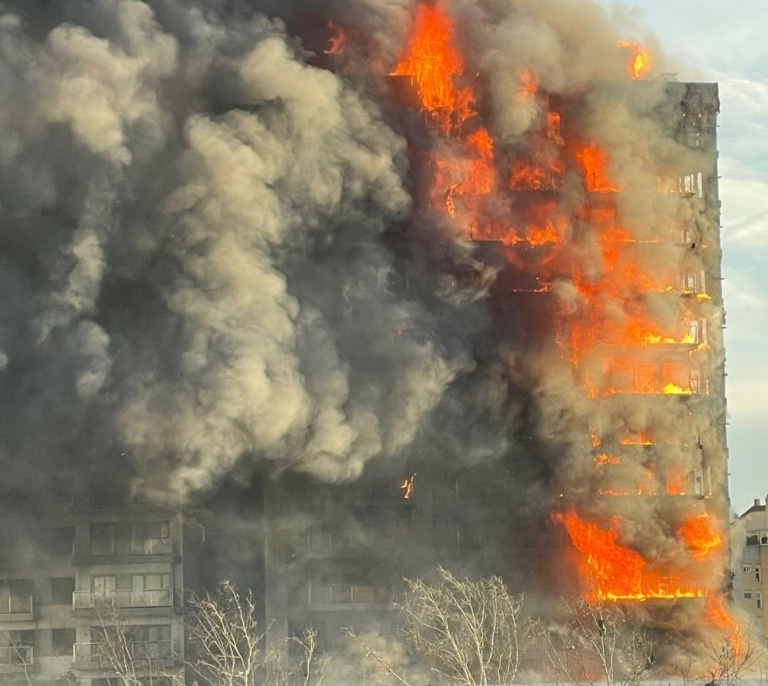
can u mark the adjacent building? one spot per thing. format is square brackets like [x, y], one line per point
[749, 539]
[91, 588]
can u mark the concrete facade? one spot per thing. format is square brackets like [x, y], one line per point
[749, 539]
[104, 570]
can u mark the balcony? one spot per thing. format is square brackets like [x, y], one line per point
[131, 547]
[16, 608]
[346, 594]
[87, 600]
[138, 653]
[15, 658]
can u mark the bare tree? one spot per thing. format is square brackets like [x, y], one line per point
[470, 632]
[16, 655]
[733, 658]
[381, 662]
[228, 645]
[600, 642]
[131, 659]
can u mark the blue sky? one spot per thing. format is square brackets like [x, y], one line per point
[727, 42]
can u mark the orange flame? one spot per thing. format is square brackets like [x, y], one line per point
[608, 570]
[594, 162]
[674, 389]
[407, 487]
[702, 540]
[640, 437]
[604, 459]
[337, 42]
[432, 61]
[716, 613]
[595, 439]
[640, 64]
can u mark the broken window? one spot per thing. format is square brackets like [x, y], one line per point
[691, 184]
[63, 641]
[645, 377]
[61, 590]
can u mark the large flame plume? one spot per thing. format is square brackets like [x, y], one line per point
[633, 315]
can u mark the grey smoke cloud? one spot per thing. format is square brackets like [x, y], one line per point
[208, 281]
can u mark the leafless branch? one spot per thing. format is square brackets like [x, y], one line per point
[470, 630]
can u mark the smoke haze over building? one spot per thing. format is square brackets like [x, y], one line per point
[227, 254]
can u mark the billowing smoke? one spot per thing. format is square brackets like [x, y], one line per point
[230, 243]
[197, 273]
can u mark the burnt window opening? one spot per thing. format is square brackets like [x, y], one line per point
[62, 589]
[63, 641]
[59, 540]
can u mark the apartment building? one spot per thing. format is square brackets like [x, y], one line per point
[749, 538]
[91, 588]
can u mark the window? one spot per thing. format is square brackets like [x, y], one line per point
[20, 587]
[19, 648]
[132, 590]
[138, 538]
[351, 593]
[63, 640]
[747, 569]
[143, 642]
[676, 377]
[62, 590]
[747, 595]
[759, 600]
[645, 377]
[60, 540]
[757, 573]
[17, 597]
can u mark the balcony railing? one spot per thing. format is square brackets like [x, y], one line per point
[14, 606]
[134, 546]
[15, 658]
[86, 600]
[131, 652]
[351, 593]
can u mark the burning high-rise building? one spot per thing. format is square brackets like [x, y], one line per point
[421, 283]
[599, 222]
